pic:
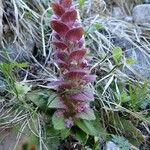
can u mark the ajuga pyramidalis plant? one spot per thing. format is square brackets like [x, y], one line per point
[71, 58]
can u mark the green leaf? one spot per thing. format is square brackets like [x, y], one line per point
[49, 13]
[58, 122]
[39, 97]
[81, 136]
[22, 88]
[81, 4]
[20, 65]
[54, 101]
[89, 115]
[87, 127]
[52, 138]
[117, 54]
[125, 97]
[64, 133]
[130, 61]
[93, 128]
[6, 68]
[98, 26]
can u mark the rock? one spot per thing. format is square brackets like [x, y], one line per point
[117, 13]
[141, 15]
[122, 43]
[111, 146]
[141, 67]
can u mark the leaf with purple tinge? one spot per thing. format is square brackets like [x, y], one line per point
[77, 24]
[58, 9]
[55, 84]
[83, 106]
[77, 55]
[55, 36]
[69, 17]
[83, 95]
[59, 27]
[87, 115]
[83, 63]
[66, 85]
[60, 45]
[81, 42]
[62, 64]
[55, 102]
[58, 122]
[74, 34]
[89, 78]
[66, 3]
[75, 74]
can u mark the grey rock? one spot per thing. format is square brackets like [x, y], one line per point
[141, 67]
[141, 15]
[117, 13]
[122, 43]
[111, 146]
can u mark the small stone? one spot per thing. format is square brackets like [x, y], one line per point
[141, 15]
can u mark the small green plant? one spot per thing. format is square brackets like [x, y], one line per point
[7, 70]
[136, 96]
[81, 4]
[117, 54]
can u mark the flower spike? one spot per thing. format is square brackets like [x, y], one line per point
[71, 58]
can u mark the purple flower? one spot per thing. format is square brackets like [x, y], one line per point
[68, 123]
[72, 60]
[82, 107]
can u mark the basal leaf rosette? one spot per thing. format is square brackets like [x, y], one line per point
[70, 55]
